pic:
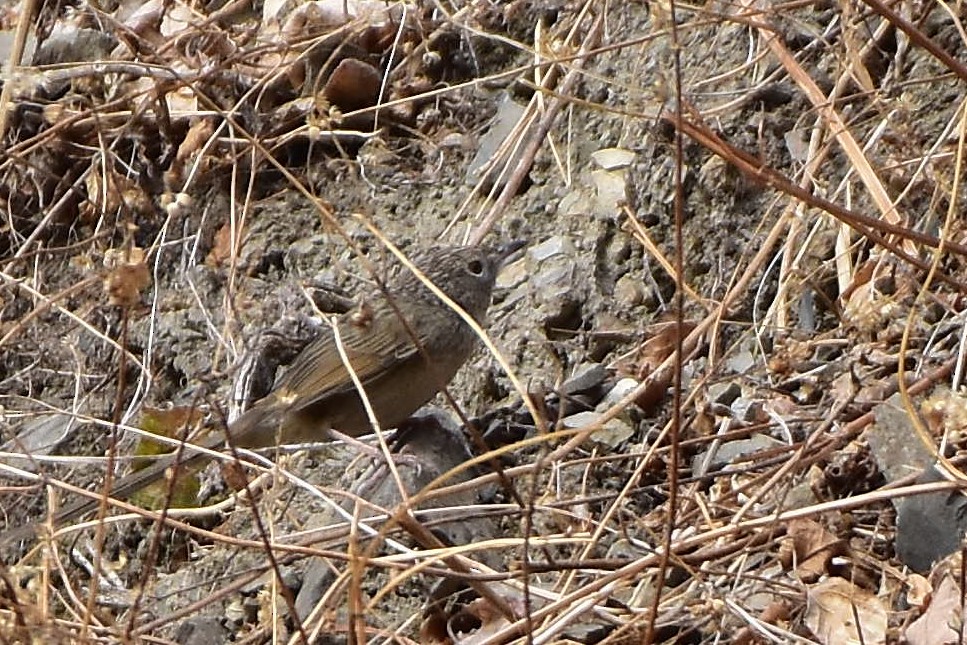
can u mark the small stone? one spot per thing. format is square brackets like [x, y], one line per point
[615, 432]
[610, 192]
[509, 113]
[580, 420]
[512, 275]
[629, 291]
[745, 409]
[620, 390]
[612, 433]
[705, 462]
[577, 203]
[586, 377]
[724, 393]
[554, 278]
[201, 629]
[550, 247]
[613, 158]
[740, 361]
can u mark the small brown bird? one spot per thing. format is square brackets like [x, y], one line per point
[402, 362]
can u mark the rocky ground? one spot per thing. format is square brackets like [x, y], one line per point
[206, 188]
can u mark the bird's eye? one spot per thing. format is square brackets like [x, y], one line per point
[475, 267]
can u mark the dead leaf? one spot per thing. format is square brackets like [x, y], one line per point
[182, 102]
[839, 613]
[809, 547]
[774, 613]
[861, 276]
[938, 624]
[196, 138]
[661, 343]
[171, 423]
[490, 620]
[128, 277]
[353, 85]
[919, 590]
[222, 248]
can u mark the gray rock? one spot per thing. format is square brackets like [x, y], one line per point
[585, 378]
[724, 393]
[550, 247]
[481, 169]
[201, 630]
[720, 457]
[928, 527]
[613, 158]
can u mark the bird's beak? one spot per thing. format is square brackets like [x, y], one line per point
[506, 250]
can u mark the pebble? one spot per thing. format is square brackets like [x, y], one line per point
[550, 247]
[613, 158]
[629, 291]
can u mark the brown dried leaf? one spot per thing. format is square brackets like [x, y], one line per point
[197, 136]
[919, 590]
[809, 547]
[861, 276]
[837, 612]
[490, 619]
[177, 18]
[222, 248]
[195, 139]
[661, 343]
[942, 602]
[945, 413]
[353, 85]
[774, 613]
[127, 277]
[102, 194]
[843, 389]
[182, 102]
[144, 21]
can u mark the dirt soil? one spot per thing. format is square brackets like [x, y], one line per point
[168, 239]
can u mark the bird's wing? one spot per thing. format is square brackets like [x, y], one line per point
[372, 347]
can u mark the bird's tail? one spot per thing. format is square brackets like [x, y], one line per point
[179, 461]
[251, 430]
